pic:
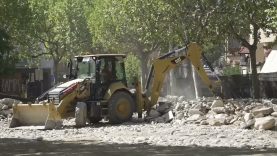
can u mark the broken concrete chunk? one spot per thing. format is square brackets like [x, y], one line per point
[260, 115]
[163, 108]
[9, 102]
[179, 116]
[204, 122]
[265, 111]
[264, 123]
[5, 107]
[248, 116]
[248, 124]
[274, 114]
[154, 114]
[216, 122]
[275, 108]
[195, 111]
[218, 110]
[217, 103]
[168, 116]
[179, 106]
[195, 117]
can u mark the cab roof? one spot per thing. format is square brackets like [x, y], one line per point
[103, 55]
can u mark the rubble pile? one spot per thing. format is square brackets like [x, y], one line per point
[245, 113]
[6, 107]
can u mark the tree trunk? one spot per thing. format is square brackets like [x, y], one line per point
[255, 89]
[144, 69]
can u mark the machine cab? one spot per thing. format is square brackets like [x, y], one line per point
[102, 70]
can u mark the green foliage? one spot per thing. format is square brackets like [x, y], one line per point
[132, 68]
[7, 57]
[231, 70]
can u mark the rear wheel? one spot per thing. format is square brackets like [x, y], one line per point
[121, 107]
[81, 114]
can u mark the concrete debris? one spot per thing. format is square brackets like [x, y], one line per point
[244, 113]
[217, 103]
[264, 111]
[9, 102]
[264, 123]
[194, 117]
[218, 110]
[6, 106]
[274, 114]
[195, 111]
[248, 116]
[274, 107]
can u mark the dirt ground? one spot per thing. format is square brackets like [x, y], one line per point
[139, 138]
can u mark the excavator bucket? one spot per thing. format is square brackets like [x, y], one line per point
[45, 116]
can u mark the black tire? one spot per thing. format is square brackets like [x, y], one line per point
[81, 114]
[121, 107]
[95, 113]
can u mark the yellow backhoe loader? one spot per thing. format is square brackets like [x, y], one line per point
[99, 90]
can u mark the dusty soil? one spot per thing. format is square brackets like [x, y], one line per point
[139, 132]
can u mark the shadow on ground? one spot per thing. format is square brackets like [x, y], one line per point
[12, 146]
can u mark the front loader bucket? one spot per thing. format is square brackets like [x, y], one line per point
[45, 115]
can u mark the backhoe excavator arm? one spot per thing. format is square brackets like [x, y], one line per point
[161, 67]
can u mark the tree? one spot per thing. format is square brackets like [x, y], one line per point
[57, 29]
[130, 26]
[7, 57]
[218, 20]
[13, 16]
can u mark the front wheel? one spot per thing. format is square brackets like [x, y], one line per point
[121, 107]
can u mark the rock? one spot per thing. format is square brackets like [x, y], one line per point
[220, 116]
[217, 103]
[259, 115]
[218, 110]
[204, 122]
[265, 111]
[274, 101]
[229, 119]
[274, 114]
[140, 139]
[178, 106]
[6, 112]
[215, 122]
[195, 111]
[275, 108]
[264, 123]
[248, 124]
[233, 120]
[154, 113]
[179, 116]
[5, 107]
[9, 102]
[247, 117]
[168, 116]
[195, 117]
[181, 99]
[163, 107]
[1, 105]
